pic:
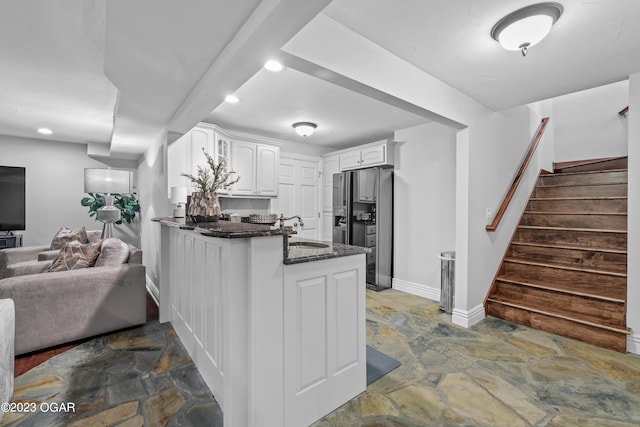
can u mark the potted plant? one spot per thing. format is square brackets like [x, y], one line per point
[127, 203]
[205, 205]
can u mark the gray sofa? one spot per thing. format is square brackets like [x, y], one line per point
[22, 260]
[59, 307]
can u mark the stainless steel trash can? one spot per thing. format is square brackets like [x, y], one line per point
[447, 280]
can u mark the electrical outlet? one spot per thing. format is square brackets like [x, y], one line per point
[488, 214]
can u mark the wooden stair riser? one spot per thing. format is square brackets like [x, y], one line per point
[612, 177]
[561, 237]
[578, 205]
[600, 165]
[584, 282]
[590, 259]
[583, 308]
[590, 334]
[582, 191]
[576, 220]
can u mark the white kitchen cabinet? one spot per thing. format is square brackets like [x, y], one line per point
[257, 166]
[375, 154]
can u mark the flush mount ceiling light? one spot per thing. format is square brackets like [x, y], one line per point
[526, 27]
[45, 131]
[304, 129]
[273, 65]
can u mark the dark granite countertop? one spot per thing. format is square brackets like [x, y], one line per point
[298, 250]
[305, 250]
[226, 229]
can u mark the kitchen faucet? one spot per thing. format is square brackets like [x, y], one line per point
[283, 219]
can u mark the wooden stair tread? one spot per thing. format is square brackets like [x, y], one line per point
[589, 172]
[575, 248]
[586, 230]
[622, 330]
[582, 184]
[574, 213]
[518, 281]
[524, 261]
[555, 199]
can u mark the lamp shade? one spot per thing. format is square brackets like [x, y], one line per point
[178, 195]
[108, 181]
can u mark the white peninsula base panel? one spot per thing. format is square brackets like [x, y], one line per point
[278, 345]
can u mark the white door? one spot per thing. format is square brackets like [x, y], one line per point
[298, 194]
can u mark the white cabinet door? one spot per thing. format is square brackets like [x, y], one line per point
[373, 156]
[324, 346]
[243, 157]
[223, 153]
[350, 160]
[267, 170]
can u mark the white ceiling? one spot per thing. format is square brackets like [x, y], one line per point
[118, 74]
[270, 102]
[593, 43]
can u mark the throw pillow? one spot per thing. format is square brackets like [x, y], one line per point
[113, 252]
[66, 235]
[75, 256]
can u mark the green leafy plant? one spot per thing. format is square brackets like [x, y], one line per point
[128, 205]
[212, 177]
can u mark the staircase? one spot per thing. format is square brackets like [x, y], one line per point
[565, 270]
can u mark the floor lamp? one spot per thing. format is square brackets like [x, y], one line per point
[108, 182]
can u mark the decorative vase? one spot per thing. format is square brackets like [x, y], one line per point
[204, 207]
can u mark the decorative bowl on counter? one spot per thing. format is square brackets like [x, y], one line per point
[267, 219]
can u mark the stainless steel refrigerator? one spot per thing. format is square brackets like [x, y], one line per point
[363, 216]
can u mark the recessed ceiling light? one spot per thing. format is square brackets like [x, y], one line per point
[45, 131]
[231, 99]
[273, 65]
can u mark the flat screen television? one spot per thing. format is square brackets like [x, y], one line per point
[12, 198]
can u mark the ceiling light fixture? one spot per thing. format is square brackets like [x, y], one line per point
[45, 131]
[304, 129]
[273, 65]
[526, 27]
[232, 99]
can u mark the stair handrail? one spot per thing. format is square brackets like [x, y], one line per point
[624, 112]
[516, 180]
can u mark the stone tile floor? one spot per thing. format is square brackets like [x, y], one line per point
[139, 377]
[494, 374]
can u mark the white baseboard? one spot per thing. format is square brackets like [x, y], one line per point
[468, 318]
[633, 343]
[417, 289]
[153, 290]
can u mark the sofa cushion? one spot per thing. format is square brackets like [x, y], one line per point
[113, 252]
[28, 267]
[66, 235]
[49, 255]
[75, 256]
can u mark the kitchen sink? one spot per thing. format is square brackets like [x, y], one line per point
[309, 245]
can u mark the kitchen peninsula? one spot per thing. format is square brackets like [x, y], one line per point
[275, 324]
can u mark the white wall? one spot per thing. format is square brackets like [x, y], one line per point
[587, 124]
[54, 185]
[633, 218]
[490, 152]
[154, 202]
[424, 206]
